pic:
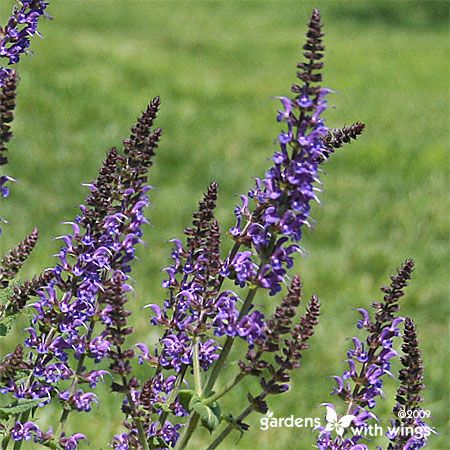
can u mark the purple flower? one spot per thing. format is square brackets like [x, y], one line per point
[99, 348]
[25, 432]
[15, 36]
[4, 190]
[244, 268]
[71, 442]
[121, 442]
[169, 433]
[251, 327]
[83, 400]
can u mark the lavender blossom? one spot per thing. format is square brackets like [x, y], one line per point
[28, 431]
[15, 35]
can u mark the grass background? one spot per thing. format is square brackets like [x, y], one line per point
[217, 67]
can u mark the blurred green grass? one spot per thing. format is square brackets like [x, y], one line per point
[217, 67]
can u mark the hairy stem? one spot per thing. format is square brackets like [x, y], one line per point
[196, 365]
[229, 428]
[137, 422]
[79, 369]
[230, 385]
[173, 394]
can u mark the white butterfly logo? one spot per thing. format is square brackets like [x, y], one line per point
[337, 424]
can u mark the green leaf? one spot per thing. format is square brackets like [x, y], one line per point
[185, 397]
[23, 405]
[209, 414]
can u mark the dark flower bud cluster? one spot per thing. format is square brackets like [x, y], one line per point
[339, 137]
[7, 106]
[14, 260]
[409, 395]
[284, 340]
[22, 292]
[15, 35]
[310, 71]
[292, 350]
[12, 363]
[369, 362]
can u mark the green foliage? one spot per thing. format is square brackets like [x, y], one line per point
[18, 407]
[209, 414]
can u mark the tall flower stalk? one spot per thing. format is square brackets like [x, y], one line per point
[369, 362]
[407, 410]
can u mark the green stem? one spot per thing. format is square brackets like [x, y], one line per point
[173, 394]
[229, 343]
[137, 422]
[230, 385]
[79, 369]
[188, 431]
[229, 428]
[196, 365]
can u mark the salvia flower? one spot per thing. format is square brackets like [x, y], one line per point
[29, 431]
[71, 442]
[15, 35]
[282, 200]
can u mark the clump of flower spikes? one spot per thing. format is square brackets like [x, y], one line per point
[369, 362]
[94, 262]
[277, 245]
[408, 396]
[15, 35]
